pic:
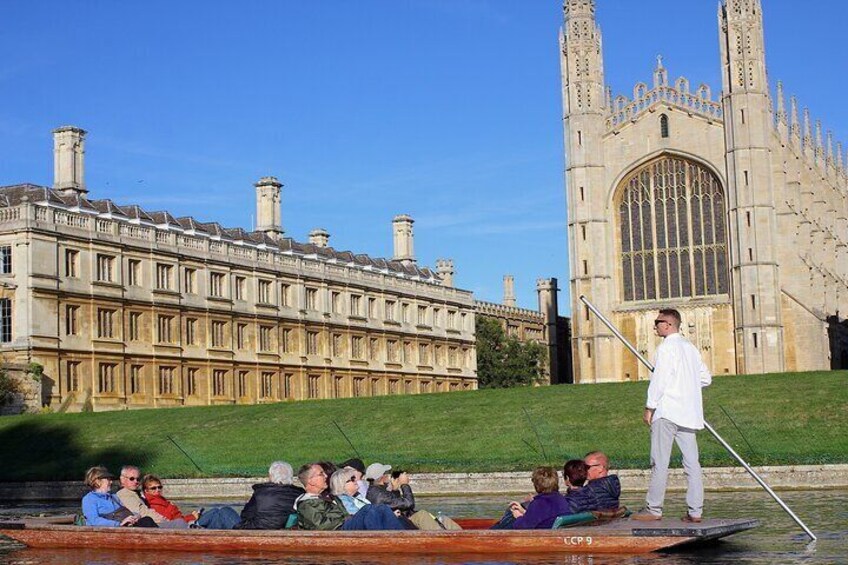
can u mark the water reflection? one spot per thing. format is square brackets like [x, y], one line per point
[778, 540]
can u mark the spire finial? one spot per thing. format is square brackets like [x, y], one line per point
[808, 129]
[793, 116]
[839, 155]
[819, 144]
[781, 106]
[660, 74]
[829, 153]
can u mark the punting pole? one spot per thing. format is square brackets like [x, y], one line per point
[726, 445]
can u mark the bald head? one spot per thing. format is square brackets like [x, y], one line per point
[598, 464]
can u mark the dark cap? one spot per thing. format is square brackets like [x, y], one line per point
[354, 463]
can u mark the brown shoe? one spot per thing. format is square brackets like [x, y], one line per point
[691, 519]
[645, 516]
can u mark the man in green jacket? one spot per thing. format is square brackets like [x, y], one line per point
[317, 511]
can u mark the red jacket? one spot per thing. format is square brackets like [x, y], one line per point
[167, 508]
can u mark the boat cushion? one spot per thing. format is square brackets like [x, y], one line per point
[573, 520]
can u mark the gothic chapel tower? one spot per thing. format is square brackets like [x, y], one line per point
[751, 194]
[588, 229]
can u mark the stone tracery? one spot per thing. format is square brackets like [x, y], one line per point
[673, 234]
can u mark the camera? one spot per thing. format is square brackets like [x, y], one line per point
[398, 473]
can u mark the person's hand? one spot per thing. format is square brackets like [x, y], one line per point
[397, 513]
[648, 416]
[529, 497]
[517, 510]
[130, 520]
[403, 479]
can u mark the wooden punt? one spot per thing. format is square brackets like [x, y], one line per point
[619, 536]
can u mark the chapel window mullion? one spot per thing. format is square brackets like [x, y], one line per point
[687, 192]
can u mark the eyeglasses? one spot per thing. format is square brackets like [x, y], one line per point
[158, 487]
[130, 478]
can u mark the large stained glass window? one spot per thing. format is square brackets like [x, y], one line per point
[673, 237]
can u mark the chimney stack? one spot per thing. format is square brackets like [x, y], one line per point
[444, 267]
[268, 214]
[402, 232]
[509, 290]
[68, 157]
[319, 237]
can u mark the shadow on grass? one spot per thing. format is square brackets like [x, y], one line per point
[34, 450]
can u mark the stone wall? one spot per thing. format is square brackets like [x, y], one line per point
[798, 477]
[29, 397]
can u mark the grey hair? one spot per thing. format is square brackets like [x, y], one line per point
[339, 479]
[280, 473]
[126, 468]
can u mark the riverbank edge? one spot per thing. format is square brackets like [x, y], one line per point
[791, 477]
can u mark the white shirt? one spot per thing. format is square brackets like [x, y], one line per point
[675, 389]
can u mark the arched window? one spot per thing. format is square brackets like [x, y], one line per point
[663, 126]
[673, 236]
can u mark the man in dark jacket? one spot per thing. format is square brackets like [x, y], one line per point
[400, 497]
[601, 491]
[272, 502]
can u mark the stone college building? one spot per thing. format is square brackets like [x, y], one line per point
[732, 210]
[126, 308]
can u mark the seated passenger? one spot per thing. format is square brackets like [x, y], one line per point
[574, 473]
[317, 510]
[601, 491]
[130, 498]
[223, 518]
[343, 484]
[394, 490]
[545, 506]
[102, 508]
[357, 465]
[272, 503]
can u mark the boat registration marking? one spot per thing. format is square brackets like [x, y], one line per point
[578, 540]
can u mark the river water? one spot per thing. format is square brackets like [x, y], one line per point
[777, 540]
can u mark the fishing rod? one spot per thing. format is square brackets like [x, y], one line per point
[709, 428]
[184, 453]
[344, 435]
[538, 437]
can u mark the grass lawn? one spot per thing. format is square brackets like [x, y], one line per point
[777, 419]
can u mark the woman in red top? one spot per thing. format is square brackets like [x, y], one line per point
[223, 518]
[152, 486]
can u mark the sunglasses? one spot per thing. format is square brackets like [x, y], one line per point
[352, 480]
[132, 479]
[658, 322]
[154, 488]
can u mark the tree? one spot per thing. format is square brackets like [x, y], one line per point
[504, 361]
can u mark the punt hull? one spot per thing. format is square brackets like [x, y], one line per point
[624, 537]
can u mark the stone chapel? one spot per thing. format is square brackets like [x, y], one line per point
[731, 209]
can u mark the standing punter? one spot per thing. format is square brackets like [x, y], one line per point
[675, 411]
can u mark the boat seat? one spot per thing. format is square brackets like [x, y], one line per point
[568, 520]
[573, 520]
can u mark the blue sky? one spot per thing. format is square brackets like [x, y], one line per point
[448, 110]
